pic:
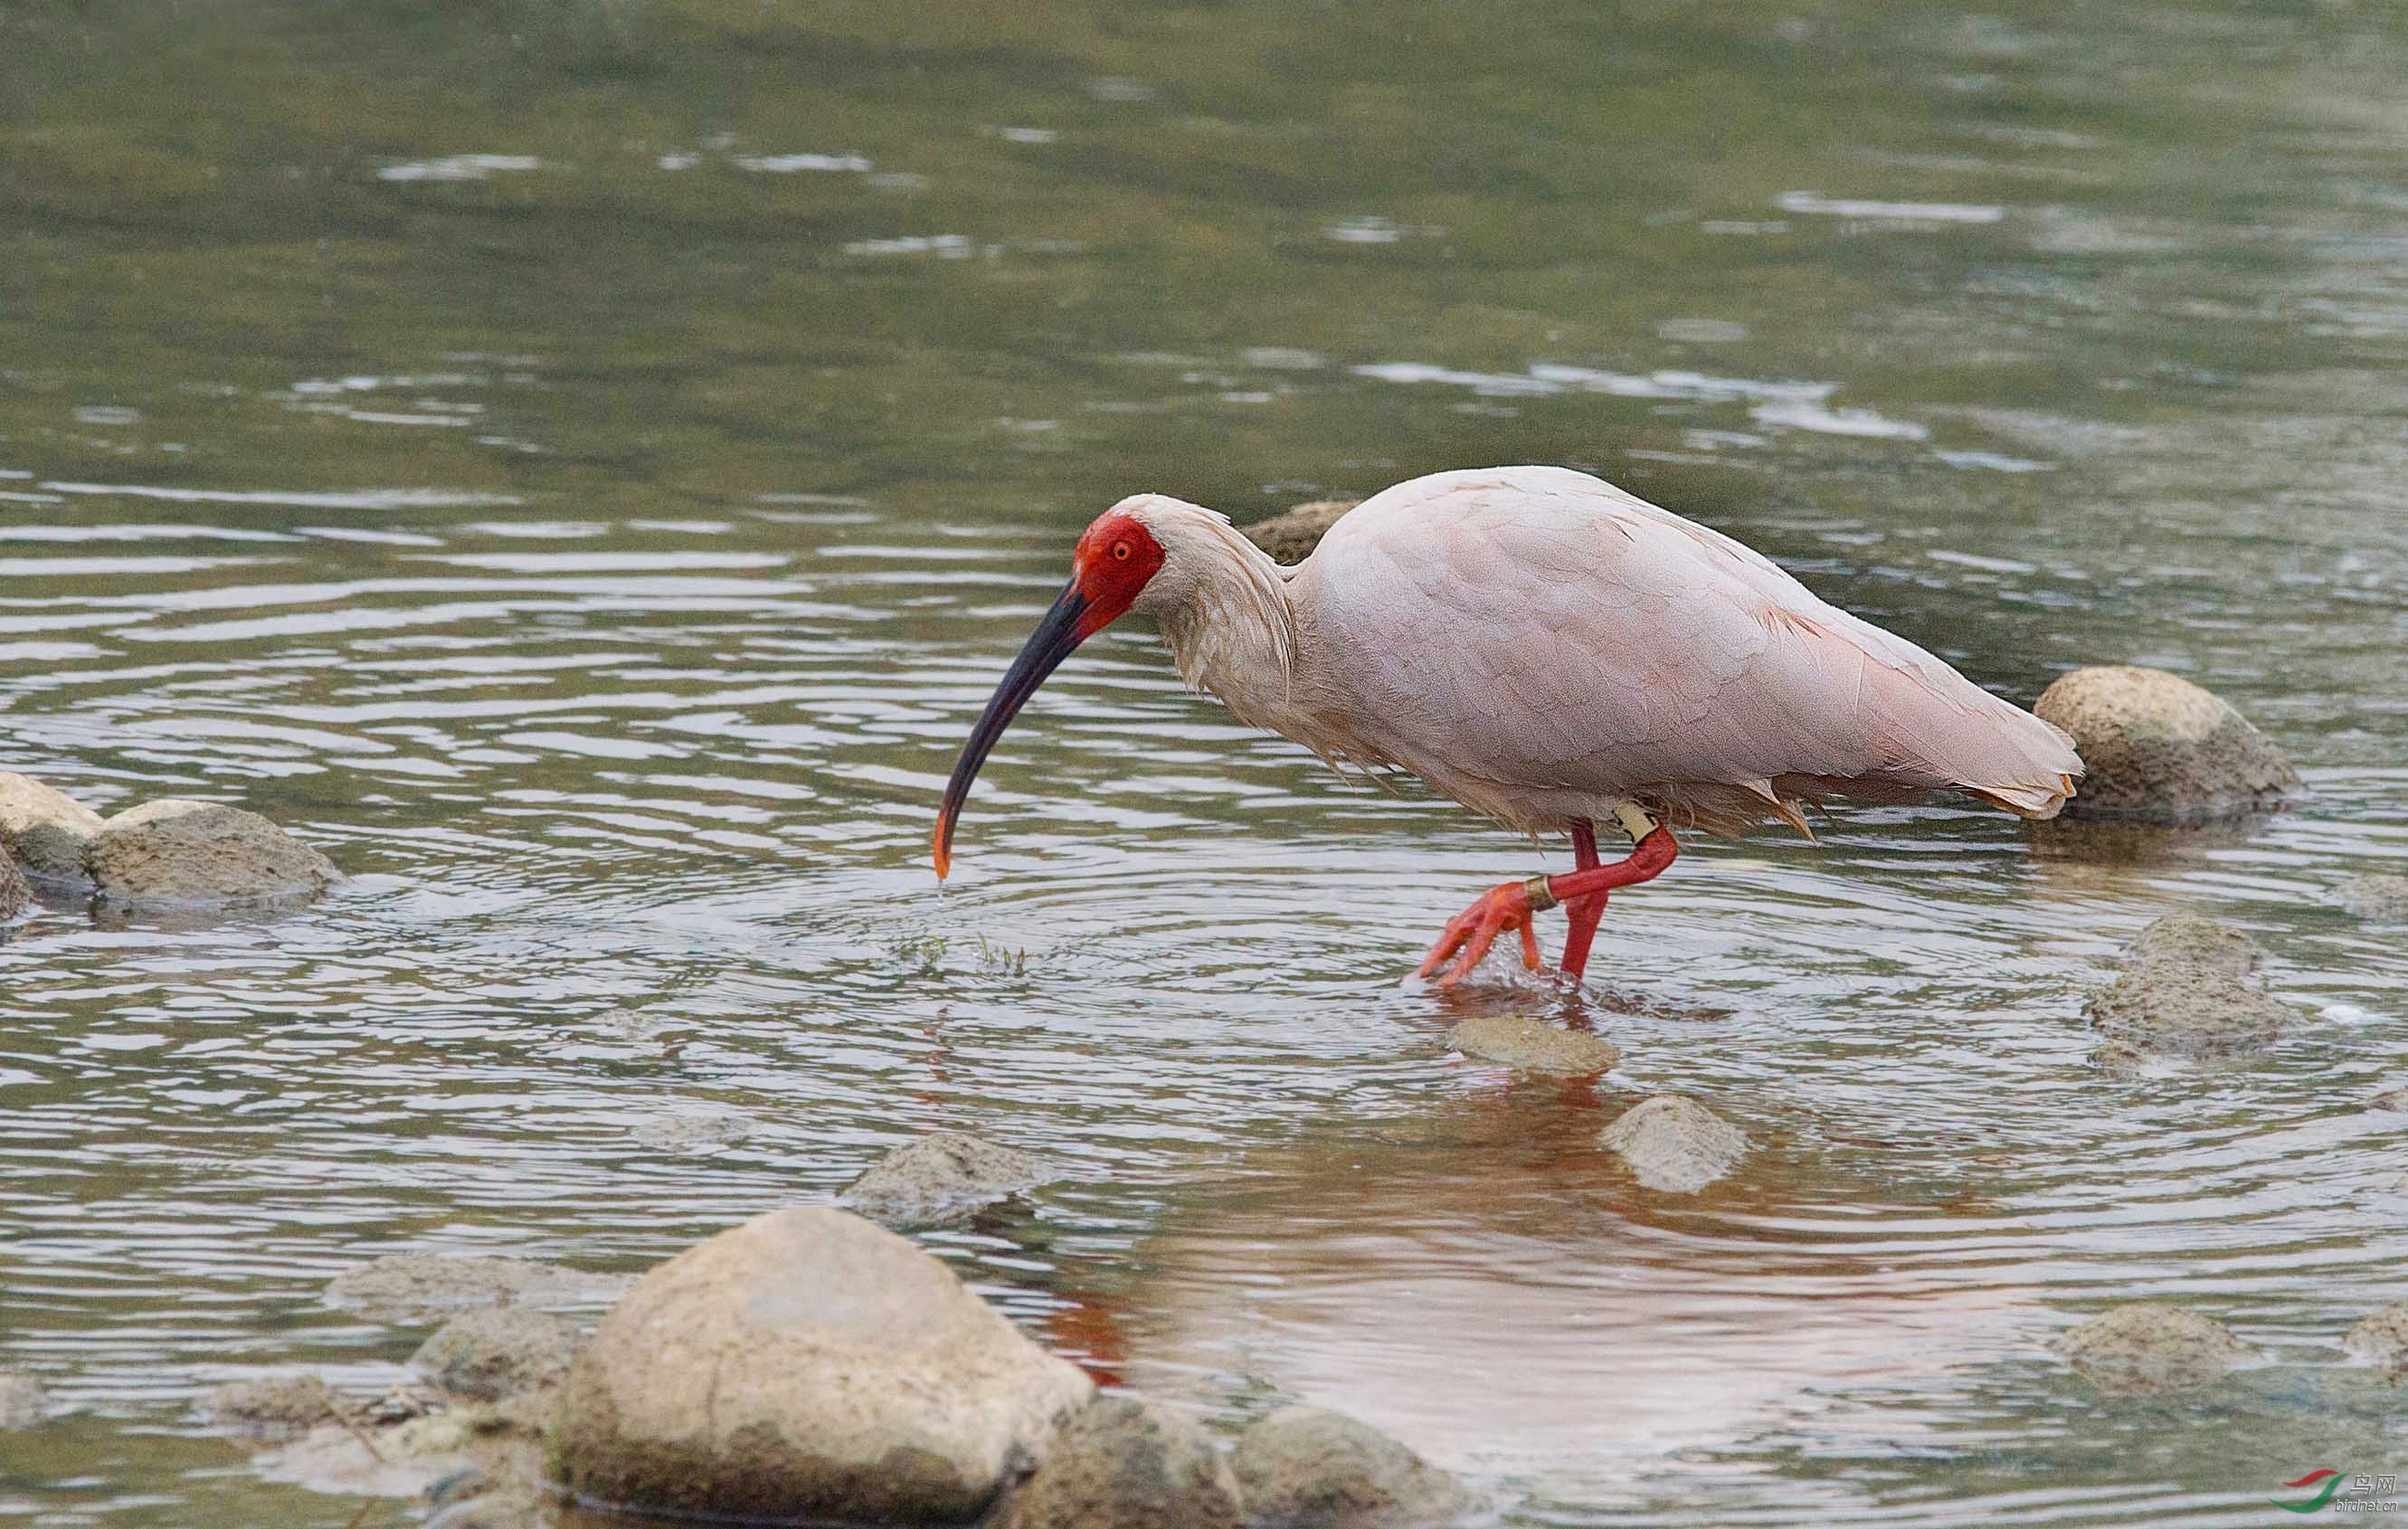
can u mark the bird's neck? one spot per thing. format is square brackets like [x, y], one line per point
[1236, 634]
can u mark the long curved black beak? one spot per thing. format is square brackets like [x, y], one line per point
[1047, 647]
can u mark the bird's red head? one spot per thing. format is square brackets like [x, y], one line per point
[1110, 567]
[1113, 561]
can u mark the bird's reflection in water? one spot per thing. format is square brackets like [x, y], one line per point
[1488, 1286]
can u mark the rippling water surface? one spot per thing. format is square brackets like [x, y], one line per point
[583, 467]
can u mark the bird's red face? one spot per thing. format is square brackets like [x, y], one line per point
[1110, 567]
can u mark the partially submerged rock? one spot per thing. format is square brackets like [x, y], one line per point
[2158, 748]
[942, 1178]
[694, 1131]
[2189, 1010]
[1304, 1468]
[15, 894]
[423, 1287]
[46, 831]
[400, 1461]
[175, 853]
[2146, 1347]
[2381, 1338]
[2380, 898]
[274, 1406]
[2197, 940]
[2118, 1058]
[1673, 1144]
[1125, 1464]
[22, 1401]
[1290, 537]
[497, 1353]
[808, 1362]
[1530, 1047]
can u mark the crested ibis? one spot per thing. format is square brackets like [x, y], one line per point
[1553, 651]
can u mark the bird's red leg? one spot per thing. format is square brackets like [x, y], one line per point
[1584, 912]
[1469, 933]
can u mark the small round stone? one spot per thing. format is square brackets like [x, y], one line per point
[2147, 1348]
[1303, 1468]
[497, 1353]
[2381, 1337]
[2187, 1010]
[2197, 940]
[1674, 1145]
[1529, 1047]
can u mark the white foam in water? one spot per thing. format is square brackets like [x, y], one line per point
[461, 167]
[362, 499]
[795, 164]
[1843, 207]
[943, 246]
[1803, 416]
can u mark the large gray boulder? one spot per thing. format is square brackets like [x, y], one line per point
[1528, 1045]
[15, 894]
[495, 1353]
[1290, 537]
[1125, 1464]
[172, 853]
[2157, 748]
[1674, 1145]
[1303, 1468]
[808, 1362]
[2145, 1347]
[942, 1178]
[45, 829]
[427, 1287]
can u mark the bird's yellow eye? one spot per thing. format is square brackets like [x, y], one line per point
[1121, 550]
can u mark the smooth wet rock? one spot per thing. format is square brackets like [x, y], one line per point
[942, 1178]
[46, 831]
[426, 1286]
[1303, 1468]
[179, 853]
[1125, 1464]
[2377, 899]
[808, 1362]
[274, 1406]
[22, 1401]
[1673, 1144]
[1528, 1046]
[514, 1507]
[497, 1353]
[2158, 748]
[1290, 537]
[2381, 1337]
[16, 896]
[2195, 939]
[2189, 1010]
[2146, 1347]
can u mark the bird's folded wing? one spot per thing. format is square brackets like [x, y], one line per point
[1540, 628]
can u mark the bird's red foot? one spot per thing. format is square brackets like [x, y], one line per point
[1471, 932]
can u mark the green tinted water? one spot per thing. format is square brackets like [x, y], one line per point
[599, 547]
